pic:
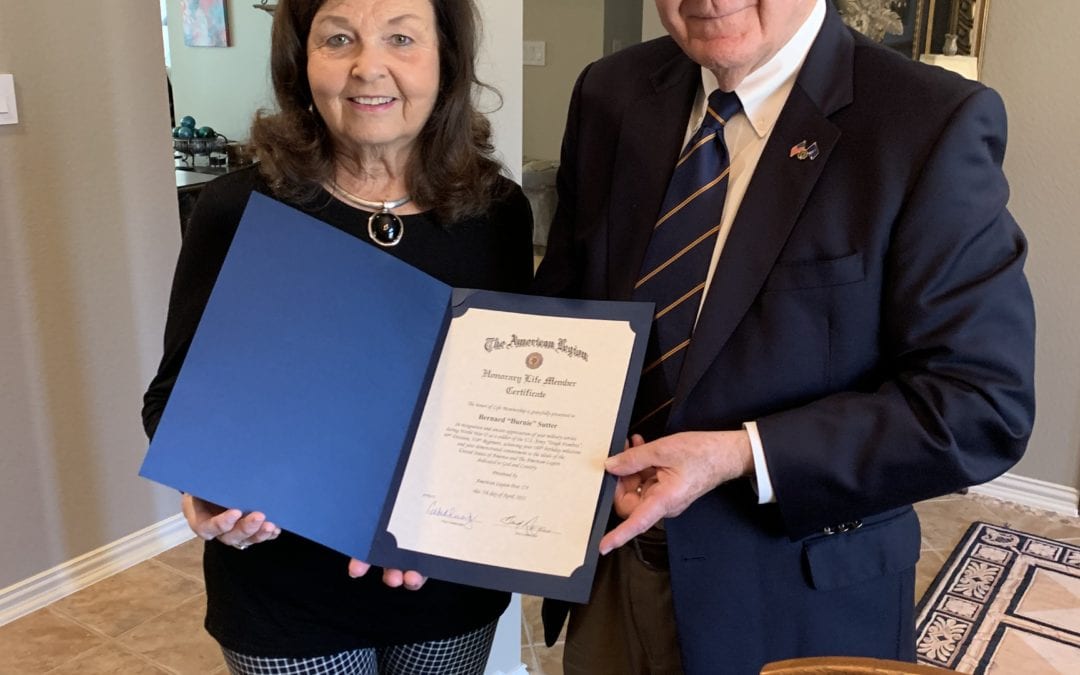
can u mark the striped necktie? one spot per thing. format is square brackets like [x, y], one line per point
[677, 261]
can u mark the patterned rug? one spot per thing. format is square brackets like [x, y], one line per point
[1004, 602]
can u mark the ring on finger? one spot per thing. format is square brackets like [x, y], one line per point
[240, 546]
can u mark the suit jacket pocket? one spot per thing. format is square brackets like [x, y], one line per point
[816, 273]
[874, 550]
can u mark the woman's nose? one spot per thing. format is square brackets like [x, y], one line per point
[368, 63]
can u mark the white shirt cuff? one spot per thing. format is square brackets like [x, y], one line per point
[761, 482]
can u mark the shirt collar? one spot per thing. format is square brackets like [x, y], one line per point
[764, 92]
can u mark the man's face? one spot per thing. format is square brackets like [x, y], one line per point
[732, 37]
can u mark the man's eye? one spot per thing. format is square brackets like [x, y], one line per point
[400, 40]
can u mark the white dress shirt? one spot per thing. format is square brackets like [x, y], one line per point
[763, 94]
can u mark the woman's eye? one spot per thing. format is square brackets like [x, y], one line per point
[400, 40]
[338, 41]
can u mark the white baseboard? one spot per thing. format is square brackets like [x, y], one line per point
[32, 594]
[1032, 492]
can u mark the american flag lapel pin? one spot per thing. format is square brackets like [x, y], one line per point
[801, 151]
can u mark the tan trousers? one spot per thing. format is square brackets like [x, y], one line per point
[628, 626]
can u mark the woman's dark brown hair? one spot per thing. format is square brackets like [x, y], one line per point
[452, 170]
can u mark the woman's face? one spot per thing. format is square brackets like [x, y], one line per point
[373, 66]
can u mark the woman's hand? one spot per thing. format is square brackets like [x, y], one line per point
[233, 528]
[411, 580]
[229, 526]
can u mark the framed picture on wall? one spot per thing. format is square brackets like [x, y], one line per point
[917, 27]
[204, 23]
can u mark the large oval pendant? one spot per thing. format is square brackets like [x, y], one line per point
[385, 228]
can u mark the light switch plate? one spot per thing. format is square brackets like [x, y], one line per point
[9, 114]
[535, 53]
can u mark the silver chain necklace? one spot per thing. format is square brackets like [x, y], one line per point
[384, 227]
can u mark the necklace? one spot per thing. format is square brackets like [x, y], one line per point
[384, 227]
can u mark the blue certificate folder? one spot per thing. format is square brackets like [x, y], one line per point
[305, 382]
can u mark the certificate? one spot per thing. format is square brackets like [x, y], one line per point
[509, 457]
[463, 437]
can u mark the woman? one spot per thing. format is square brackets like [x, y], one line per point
[376, 135]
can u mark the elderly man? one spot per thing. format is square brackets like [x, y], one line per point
[843, 328]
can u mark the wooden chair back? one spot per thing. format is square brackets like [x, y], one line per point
[848, 665]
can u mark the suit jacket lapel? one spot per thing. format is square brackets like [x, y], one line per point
[650, 140]
[775, 198]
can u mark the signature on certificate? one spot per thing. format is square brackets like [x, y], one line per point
[528, 526]
[451, 515]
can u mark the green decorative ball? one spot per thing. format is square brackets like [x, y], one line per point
[205, 132]
[187, 121]
[183, 132]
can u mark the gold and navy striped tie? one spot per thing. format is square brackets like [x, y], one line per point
[677, 261]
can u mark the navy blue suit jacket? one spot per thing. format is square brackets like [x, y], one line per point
[869, 311]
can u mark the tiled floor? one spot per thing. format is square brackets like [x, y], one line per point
[148, 619]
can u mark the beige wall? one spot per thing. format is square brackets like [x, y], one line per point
[499, 65]
[1031, 57]
[622, 24]
[223, 87]
[574, 33]
[650, 21]
[88, 234]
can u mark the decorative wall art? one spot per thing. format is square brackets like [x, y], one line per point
[204, 23]
[918, 27]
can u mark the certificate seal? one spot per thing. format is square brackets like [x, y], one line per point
[534, 360]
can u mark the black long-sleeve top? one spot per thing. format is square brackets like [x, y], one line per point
[292, 597]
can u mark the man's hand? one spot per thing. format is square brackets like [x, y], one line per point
[630, 489]
[411, 580]
[662, 478]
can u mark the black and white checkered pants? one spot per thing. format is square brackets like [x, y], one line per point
[465, 654]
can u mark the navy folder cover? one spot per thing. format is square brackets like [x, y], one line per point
[305, 382]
